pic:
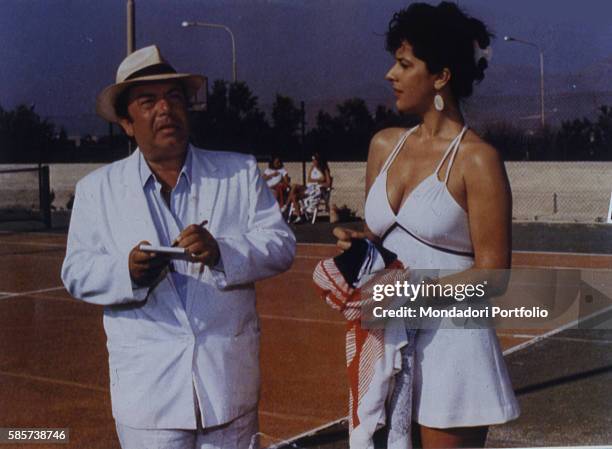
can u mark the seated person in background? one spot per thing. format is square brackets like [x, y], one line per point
[319, 179]
[278, 180]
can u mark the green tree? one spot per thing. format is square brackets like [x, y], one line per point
[217, 100]
[326, 136]
[575, 139]
[24, 136]
[346, 135]
[232, 121]
[241, 100]
[286, 119]
[385, 117]
[603, 133]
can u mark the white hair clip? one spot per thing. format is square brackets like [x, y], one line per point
[479, 53]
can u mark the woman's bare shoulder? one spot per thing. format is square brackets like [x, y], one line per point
[383, 142]
[476, 153]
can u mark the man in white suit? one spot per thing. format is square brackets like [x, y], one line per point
[182, 334]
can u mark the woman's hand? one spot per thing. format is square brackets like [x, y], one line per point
[344, 236]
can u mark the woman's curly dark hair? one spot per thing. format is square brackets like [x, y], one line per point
[443, 36]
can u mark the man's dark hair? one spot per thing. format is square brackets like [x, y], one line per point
[121, 104]
[443, 37]
[272, 159]
[321, 160]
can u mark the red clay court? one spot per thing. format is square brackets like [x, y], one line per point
[54, 372]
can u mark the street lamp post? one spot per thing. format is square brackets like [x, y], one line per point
[131, 26]
[186, 24]
[531, 44]
[131, 43]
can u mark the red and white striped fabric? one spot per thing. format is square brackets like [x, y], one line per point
[370, 364]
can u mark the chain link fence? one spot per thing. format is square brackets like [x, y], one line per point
[560, 191]
[570, 192]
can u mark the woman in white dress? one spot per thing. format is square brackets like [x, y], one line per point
[438, 196]
[319, 177]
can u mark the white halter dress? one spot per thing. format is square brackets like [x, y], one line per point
[460, 377]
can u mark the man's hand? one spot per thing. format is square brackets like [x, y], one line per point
[145, 267]
[201, 246]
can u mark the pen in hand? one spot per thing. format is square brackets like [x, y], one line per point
[176, 241]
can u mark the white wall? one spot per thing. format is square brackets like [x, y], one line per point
[542, 191]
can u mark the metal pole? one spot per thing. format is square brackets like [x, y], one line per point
[186, 24]
[45, 195]
[531, 44]
[542, 88]
[131, 41]
[303, 141]
[234, 68]
[131, 27]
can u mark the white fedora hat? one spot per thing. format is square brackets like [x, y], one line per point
[146, 64]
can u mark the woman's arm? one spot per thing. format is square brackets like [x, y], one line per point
[489, 203]
[326, 182]
[489, 207]
[268, 175]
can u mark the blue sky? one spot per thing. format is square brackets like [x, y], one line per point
[58, 54]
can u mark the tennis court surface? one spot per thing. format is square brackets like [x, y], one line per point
[54, 373]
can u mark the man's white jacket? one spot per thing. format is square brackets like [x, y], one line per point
[158, 348]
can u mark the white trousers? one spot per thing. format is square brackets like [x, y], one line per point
[241, 433]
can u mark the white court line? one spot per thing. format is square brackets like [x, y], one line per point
[288, 416]
[545, 253]
[582, 340]
[568, 339]
[301, 320]
[311, 257]
[49, 234]
[327, 425]
[316, 244]
[308, 433]
[555, 331]
[556, 253]
[561, 253]
[505, 353]
[294, 271]
[54, 245]
[58, 298]
[535, 253]
[66, 383]
[502, 334]
[32, 292]
[325, 245]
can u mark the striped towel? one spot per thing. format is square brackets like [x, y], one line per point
[373, 356]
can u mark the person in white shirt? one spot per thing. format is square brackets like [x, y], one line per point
[319, 177]
[182, 334]
[277, 178]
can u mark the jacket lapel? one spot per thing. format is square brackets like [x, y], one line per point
[138, 224]
[134, 209]
[204, 194]
[205, 191]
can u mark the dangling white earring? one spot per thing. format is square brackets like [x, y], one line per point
[439, 102]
